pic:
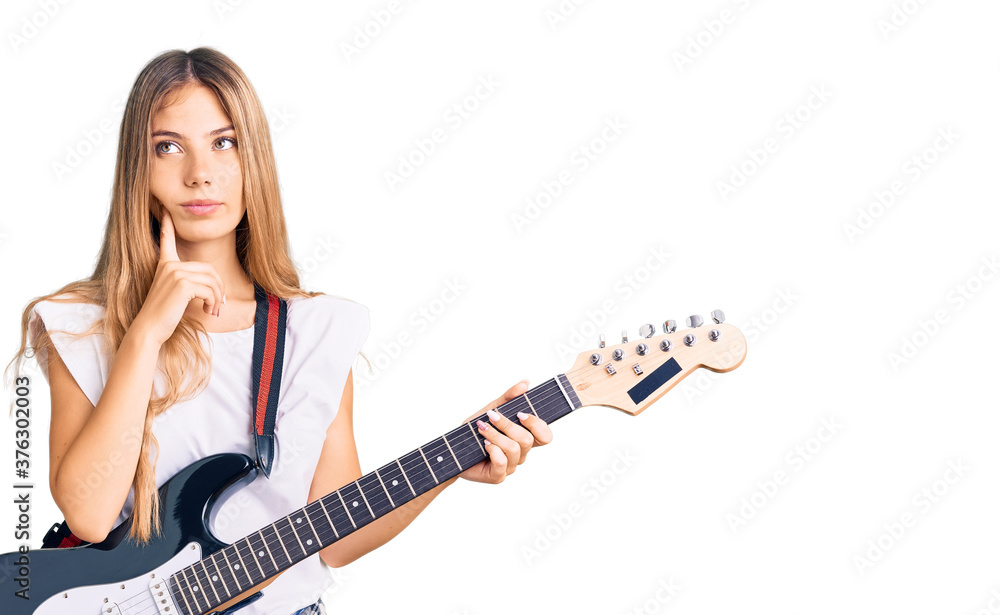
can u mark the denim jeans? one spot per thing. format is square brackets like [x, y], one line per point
[313, 609]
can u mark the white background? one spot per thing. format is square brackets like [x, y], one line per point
[827, 284]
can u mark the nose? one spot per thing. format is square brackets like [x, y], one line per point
[199, 170]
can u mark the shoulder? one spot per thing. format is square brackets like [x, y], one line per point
[67, 313]
[326, 308]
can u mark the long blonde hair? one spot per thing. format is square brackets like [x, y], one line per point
[128, 256]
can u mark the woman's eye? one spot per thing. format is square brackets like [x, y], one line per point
[230, 140]
[159, 146]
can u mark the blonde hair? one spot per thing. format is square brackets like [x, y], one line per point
[128, 257]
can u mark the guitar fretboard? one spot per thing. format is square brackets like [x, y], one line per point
[230, 571]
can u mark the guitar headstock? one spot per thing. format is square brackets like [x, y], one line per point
[633, 374]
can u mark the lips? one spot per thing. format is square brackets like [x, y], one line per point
[201, 207]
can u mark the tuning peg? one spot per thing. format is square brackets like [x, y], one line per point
[694, 321]
[624, 336]
[647, 330]
[669, 326]
[602, 340]
[718, 317]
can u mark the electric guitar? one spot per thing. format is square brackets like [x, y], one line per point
[188, 571]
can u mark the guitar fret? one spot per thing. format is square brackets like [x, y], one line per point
[467, 453]
[345, 508]
[445, 439]
[403, 472]
[428, 465]
[329, 519]
[294, 531]
[387, 494]
[181, 591]
[313, 528]
[375, 495]
[352, 496]
[440, 460]
[245, 568]
[530, 405]
[194, 591]
[172, 584]
[476, 437]
[208, 577]
[417, 472]
[239, 586]
[563, 391]
[365, 499]
[263, 543]
[218, 573]
[277, 535]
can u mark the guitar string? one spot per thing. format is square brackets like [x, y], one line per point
[343, 515]
[556, 393]
[340, 514]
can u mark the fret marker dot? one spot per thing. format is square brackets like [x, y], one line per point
[354, 503]
[260, 553]
[298, 520]
[236, 567]
[309, 542]
[195, 588]
[440, 458]
[215, 578]
[395, 483]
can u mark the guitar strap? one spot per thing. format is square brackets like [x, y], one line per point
[268, 351]
[265, 377]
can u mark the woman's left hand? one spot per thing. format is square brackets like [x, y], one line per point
[507, 443]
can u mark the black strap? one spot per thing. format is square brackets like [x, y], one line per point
[268, 352]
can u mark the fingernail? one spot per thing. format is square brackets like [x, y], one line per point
[525, 381]
[493, 414]
[482, 425]
[522, 415]
[223, 297]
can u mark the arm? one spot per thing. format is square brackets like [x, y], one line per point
[339, 464]
[93, 451]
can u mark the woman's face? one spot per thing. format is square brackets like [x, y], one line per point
[195, 159]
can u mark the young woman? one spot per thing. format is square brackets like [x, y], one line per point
[152, 353]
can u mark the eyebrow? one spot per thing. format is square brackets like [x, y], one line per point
[167, 133]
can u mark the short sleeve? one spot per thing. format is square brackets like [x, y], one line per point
[325, 335]
[83, 355]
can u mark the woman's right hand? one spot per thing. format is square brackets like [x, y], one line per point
[177, 283]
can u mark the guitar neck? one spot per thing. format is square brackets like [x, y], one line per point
[255, 558]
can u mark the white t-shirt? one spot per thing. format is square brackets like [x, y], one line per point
[324, 335]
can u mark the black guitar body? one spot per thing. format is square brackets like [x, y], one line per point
[186, 503]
